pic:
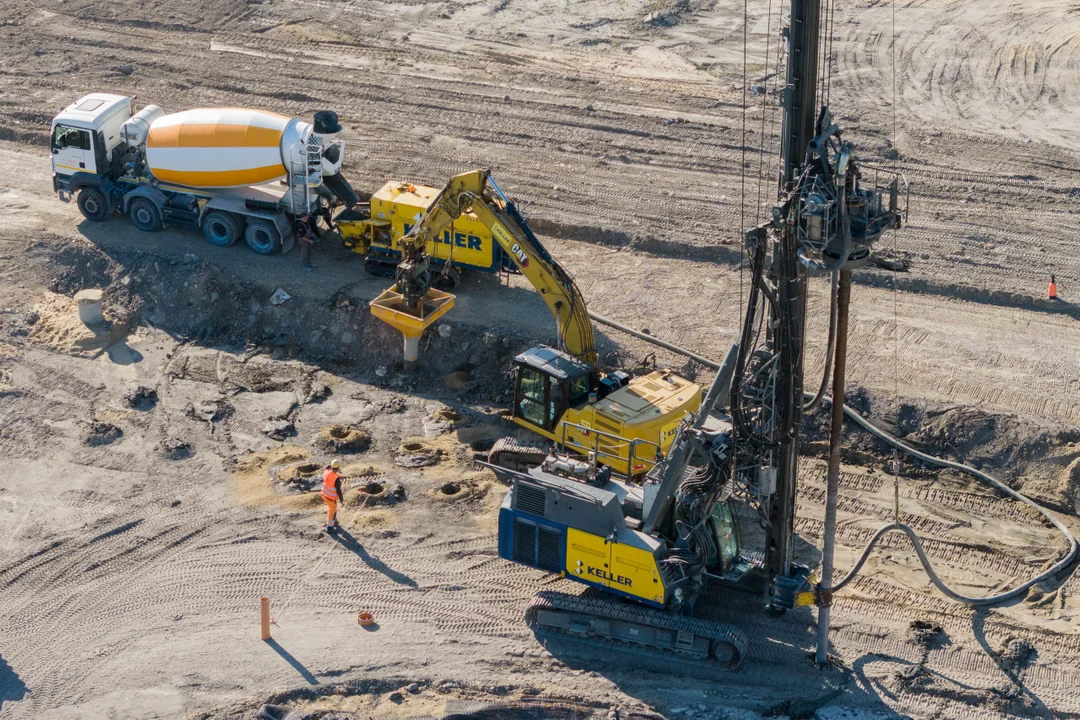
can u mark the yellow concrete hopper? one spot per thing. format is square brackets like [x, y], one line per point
[391, 308]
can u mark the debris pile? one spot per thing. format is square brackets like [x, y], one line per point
[101, 433]
[141, 397]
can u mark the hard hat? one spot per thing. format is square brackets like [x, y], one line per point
[335, 465]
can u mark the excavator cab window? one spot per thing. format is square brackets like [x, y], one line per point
[549, 382]
[542, 399]
[727, 541]
[580, 387]
[532, 396]
[556, 401]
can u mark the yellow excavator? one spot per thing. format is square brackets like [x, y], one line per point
[613, 420]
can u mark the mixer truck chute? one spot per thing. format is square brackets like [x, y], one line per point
[231, 172]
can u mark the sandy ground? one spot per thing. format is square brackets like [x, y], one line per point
[130, 571]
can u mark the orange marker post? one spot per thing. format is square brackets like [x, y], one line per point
[264, 612]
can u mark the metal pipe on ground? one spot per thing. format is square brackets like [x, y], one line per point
[832, 481]
[264, 617]
[656, 341]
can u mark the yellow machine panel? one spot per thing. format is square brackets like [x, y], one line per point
[468, 243]
[585, 555]
[615, 565]
[636, 569]
[649, 409]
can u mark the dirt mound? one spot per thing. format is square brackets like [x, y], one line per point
[416, 454]
[443, 420]
[457, 380]
[981, 437]
[378, 491]
[176, 449]
[141, 397]
[99, 432]
[926, 634]
[470, 487]
[1016, 654]
[210, 411]
[257, 478]
[298, 477]
[343, 439]
[80, 267]
[58, 326]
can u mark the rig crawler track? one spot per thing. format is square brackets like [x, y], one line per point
[644, 637]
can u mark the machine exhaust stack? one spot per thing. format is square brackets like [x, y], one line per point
[412, 320]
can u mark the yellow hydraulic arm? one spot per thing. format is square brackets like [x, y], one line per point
[477, 193]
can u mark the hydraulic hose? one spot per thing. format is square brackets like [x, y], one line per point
[927, 566]
[900, 527]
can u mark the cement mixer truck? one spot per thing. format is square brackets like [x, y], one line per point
[230, 172]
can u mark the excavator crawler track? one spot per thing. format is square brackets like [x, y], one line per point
[380, 267]
[517, 454]
[638, 636]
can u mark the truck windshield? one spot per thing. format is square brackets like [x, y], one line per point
[68, 137]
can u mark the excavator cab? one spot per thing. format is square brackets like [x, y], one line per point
[548, 383]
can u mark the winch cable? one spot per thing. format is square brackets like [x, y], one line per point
[764, 104]
[927, 566]
[877, 432]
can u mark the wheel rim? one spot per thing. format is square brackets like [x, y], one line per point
[92, 205]
[143, 215]
[219, 230]
[261, 239]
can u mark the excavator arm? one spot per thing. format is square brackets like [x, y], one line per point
[476, 193]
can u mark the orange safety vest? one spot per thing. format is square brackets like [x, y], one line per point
[329, 487]
[1051, 292]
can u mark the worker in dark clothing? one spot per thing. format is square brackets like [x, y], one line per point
[307, 239]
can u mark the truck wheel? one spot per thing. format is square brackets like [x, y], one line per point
[144, 214]
[221, 228]
[92, 204]
[262, 236]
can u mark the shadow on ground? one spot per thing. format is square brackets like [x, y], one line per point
[12, 688]
[350, 543]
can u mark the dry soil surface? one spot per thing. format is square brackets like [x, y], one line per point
[137, 539]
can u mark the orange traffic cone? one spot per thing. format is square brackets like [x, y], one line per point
[1051, 292]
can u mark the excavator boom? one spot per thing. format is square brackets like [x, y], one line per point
[477, 194]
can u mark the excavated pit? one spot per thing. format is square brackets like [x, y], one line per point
[300, 477]
[345, 439]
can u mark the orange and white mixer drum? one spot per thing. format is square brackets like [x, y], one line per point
[225, 147]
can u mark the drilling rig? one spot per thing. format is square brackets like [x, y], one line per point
[648, 551]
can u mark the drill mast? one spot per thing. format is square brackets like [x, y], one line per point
[824, 222]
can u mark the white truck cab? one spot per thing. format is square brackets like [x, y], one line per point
[87, 131]
[84, 137]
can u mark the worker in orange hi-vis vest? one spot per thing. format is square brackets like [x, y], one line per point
[332, 494]
[1051, 292]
